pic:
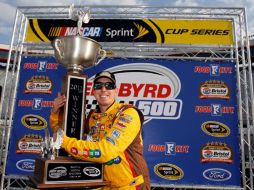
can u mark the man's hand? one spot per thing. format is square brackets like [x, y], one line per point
[59, 101]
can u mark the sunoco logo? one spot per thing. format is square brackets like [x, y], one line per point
[138, 84]
[57, 172]
[34, 122]
[217, 174]
[92, 171]
[215, 129]
[26, 165]
[168, 171]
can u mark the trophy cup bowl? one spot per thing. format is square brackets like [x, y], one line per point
[77, 52]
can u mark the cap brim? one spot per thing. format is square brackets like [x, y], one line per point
[95, 79]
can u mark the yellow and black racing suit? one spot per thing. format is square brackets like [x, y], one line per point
[113, 138]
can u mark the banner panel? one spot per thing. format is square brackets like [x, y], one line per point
[215, 32]
[190, 108]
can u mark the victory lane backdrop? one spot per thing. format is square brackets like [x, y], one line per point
[190, 130]
[39, 82]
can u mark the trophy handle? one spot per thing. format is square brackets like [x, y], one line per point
[59, 45]
[104, 53]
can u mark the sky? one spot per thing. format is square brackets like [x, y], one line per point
[8, 9]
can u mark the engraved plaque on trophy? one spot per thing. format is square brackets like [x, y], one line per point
[76, 53]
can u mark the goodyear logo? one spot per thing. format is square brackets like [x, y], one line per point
[34, 122]
[168, 171]
[215, 129]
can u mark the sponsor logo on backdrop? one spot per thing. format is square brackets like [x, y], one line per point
[217, 174]
[214, 89]
[34, 122]
[68, 31]
[169, 148]
[215, 109]
[215, 129]
[41, 66]
[216, 152]
[168, 171]
[136, 32]
[26, 165]
[213, 70]
[36, 103]
[30, 143]
[157, 100]
[39, 84]
[174, 31]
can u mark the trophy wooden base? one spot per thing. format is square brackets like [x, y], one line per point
[67, 172]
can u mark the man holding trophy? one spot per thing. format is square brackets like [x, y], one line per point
[112, 137]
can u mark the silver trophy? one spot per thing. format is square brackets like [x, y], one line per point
[76, 53]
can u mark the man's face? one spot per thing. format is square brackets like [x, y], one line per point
[104, 96]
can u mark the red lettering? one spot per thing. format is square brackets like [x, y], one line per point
[89, 88]
[198, 109]
[156, 148]
[225, 69]
[164, 91]
[182, 148]
[30, 66]
[203, 109]
[186, 148]
[26, 103]
[47, 104]
[150, 89]
[137, 89]
[227, 109]
[125, 90]
[199, 69]
[144, 90]
[178, 148]
[51, 66]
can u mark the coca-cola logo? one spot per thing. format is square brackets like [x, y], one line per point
[26, 165]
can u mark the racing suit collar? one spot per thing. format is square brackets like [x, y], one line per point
[109, 108]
